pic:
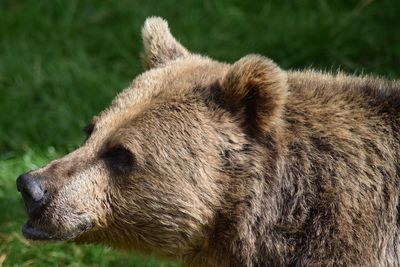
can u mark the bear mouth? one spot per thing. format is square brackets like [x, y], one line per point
[32, 232]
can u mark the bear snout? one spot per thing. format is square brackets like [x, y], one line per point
[32, 191]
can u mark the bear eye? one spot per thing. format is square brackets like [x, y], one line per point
[89, 129]
[119, 159]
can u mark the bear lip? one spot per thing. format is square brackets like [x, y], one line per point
[33, 233]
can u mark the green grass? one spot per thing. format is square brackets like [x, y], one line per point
[62, 62]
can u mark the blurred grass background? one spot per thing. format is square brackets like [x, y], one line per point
[61, 62]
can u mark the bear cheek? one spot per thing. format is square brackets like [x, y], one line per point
[98, 193]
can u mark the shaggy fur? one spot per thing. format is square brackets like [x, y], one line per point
[234, 165]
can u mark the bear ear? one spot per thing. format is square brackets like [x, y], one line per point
[159, 44]
[255, 90]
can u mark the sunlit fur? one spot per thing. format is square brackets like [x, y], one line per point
[236, 165]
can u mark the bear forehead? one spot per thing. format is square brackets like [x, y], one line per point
[160, 85]
[154, 88]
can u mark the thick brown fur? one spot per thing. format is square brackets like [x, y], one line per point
[235, 165]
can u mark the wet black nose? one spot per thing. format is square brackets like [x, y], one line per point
[31, 191]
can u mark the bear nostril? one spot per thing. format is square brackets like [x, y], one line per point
[35, 192]
[31, 190]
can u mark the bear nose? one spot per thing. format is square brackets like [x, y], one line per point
[31, 191]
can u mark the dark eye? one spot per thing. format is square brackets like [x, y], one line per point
[89, 129]
[119, 160]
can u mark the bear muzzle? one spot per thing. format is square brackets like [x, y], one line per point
[32, 191]
[39, 225]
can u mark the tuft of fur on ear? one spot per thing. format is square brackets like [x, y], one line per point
[255, 89]
[159, 44]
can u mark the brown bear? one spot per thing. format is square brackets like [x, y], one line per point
[216, 164]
